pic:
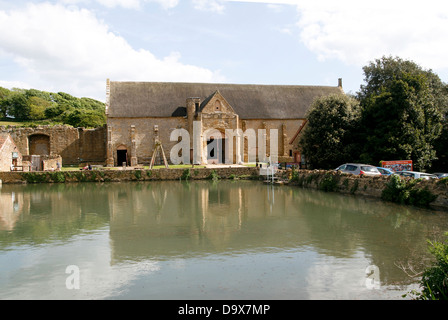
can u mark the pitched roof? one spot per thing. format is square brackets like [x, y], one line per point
[3, 138]
[168, 99]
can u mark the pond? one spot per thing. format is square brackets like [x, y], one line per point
[207, 240]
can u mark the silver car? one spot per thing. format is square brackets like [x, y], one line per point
[441, 175]
[359, 169]
[416, 175]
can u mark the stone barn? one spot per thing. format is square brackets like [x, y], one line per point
[139, 114]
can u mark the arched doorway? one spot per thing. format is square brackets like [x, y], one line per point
[122, 155]
[216, 148]
[39, 144]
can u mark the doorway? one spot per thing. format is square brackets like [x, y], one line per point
[122, 157]
[216, 150]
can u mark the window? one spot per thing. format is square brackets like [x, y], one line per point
[368, 169]
[290, 153]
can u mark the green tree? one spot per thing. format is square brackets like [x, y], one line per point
[329, 137]
[85, 118]
[401, 112]
[17, 105]
[4, 94]
[441, 147]
[37, 107]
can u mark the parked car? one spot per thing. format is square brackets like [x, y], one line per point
[385, 171]
[441, 175]
[416, 175]
[359, 169]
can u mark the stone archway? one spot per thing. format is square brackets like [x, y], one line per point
[216, 148]
[122, 155]
[39, 144]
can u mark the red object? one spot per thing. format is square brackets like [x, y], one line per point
[399, 165]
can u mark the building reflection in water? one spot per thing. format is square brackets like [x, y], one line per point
[175, 220]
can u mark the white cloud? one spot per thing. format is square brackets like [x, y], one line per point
[209, 5]
[126, 4]
[356, 32]
[71, 50]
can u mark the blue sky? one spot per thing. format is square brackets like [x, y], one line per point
[75, 45]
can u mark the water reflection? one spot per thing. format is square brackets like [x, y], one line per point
[224, 239]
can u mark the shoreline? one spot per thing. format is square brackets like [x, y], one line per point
[323, 180]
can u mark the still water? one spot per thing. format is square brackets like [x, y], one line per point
[206, 240]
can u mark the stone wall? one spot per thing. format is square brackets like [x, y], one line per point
[144, 136]
[128, 175]
[366, 186]
[74, 145]
[123, 131]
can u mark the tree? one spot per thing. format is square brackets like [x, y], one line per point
[4, 94]
[402, 108]
[17, 104]
[329, 137]
[85, 118]
[37, 107]
[441, 147]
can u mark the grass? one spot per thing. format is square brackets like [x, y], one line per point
[29, 123]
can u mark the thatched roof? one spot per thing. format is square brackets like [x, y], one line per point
[168, 99]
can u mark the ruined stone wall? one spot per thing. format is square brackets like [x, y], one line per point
[50, 163]
[74, 145]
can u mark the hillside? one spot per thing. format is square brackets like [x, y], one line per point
[30, 107]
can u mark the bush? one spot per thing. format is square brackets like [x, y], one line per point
[443, 181]
[186, 175]
[329, 183]
[407, 192]
[213, 176]
[58, 177]
[434, 281]
[32, 177]
[138, 174]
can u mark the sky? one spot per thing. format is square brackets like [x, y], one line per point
[75, 45]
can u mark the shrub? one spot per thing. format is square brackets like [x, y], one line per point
[434, 281]
[32, 177]
[213, 176]
[407, 192]
[354, 188]
[138, 174]
[58, 177]
[329, 183]
[443, 181]
[186, 175]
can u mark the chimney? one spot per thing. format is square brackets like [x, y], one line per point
[340, 83]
